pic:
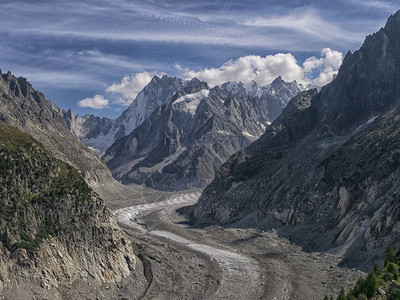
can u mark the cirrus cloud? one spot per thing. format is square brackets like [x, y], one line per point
[97, 102]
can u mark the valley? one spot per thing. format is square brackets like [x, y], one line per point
[264, 178]
[243, 263]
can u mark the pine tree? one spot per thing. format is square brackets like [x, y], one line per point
[371, 285]
[393, 269]
[389, 255]
[377, 269]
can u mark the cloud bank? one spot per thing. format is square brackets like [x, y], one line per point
[97, 102]
[315, 72]
[263, 70]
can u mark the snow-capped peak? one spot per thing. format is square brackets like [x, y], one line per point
[251, 89]
[190, 102]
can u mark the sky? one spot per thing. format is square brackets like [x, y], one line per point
[94, 56]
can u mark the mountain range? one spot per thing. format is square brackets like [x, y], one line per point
[184, 142]
[320, 167]
[176, 133]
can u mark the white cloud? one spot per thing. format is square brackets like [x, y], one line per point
[97, 102]
[324, 68]
[99, 58]
[252, 67]
[130, 86]
[263, 70]
[122, 101]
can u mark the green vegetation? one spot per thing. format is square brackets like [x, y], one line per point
[381, 283]
[39, 194]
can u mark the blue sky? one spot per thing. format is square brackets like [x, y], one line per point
[74, 50]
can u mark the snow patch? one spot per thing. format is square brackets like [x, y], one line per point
[189, 103]
[100, 143]
[368, 122]
[245, 133]
[223, 132]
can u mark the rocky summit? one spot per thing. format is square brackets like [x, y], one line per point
[184, 142]
[325, 173]
[100, 133]
[28, 110]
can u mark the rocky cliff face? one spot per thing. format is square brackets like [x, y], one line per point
[100, 133]
[53, 228]
[184, 142]
[326, 168]
[27, 109]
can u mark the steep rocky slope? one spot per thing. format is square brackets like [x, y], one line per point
[326, 168]
[184, 142]
[100, 133]
[27, 109]
[53, 228]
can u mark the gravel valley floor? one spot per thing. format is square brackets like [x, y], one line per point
[219, 263]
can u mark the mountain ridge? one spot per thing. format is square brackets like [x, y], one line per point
[28, 110]
[279, 179]
[99, 133]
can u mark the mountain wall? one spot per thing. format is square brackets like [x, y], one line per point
[184, 142]
[325, 172]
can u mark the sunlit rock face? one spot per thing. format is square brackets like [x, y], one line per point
[185, 141]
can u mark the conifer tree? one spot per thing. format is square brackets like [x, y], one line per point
[371, 285]
[377, 269]
[389, 255]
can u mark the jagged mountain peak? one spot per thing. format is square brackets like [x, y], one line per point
[194, 81]
[183, 142]
[101, 133]
[27, 109]
[20, 86]
[193, 86]
[370, 75]
[278, 80]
